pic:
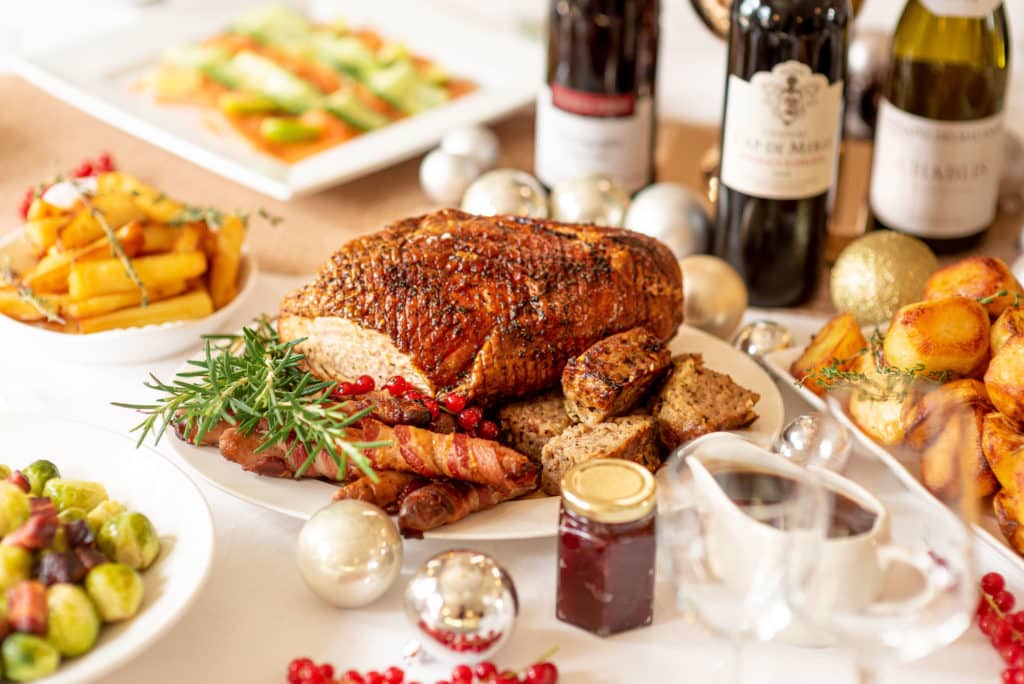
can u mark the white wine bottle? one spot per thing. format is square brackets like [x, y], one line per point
[940, 135]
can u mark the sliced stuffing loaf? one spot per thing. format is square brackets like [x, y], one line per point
[696, 400]
[633, 438]
[528, 425]
[613, 375]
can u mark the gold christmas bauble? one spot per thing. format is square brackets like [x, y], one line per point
[879, 273]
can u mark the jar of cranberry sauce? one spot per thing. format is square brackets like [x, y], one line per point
[606, 546]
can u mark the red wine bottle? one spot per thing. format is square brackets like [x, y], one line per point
[596, 113]
[781, 134]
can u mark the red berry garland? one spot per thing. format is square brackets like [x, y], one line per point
[305, 671]
[1004, 629]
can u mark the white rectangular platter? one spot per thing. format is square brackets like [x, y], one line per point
[99, 76]
[906, 471]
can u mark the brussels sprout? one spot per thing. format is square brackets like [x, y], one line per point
[74, 493]
[27, 657]
[72, 514]
[129, 538]
[15, 566]
[39, 473]
[73, 623]
[14, 508]
[5, 471]
[115, 589]
[102, 513]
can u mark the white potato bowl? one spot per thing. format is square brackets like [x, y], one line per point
[112, 347]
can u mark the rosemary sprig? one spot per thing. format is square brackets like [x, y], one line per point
[25, 293]
[891, 382]
[255, 380]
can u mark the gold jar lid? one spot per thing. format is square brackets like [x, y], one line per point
[609, 490]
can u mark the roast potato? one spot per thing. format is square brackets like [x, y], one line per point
[839, 341]
[975, 277]
[940, 335]
[1005, 379]
[1006, 505]
[1002, 442]
[874, 413]
[945, 424]
[1009, 323]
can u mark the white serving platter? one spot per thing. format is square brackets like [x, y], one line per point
[906, 471]
[122, 346]
[522, 519]
[100, 76]
[143, 481]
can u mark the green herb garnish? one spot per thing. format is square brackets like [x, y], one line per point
[25, 293]
[250, 378]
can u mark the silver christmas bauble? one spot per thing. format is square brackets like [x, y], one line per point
[506, 191]
[714, 295]
[349, 553]
[868, 63]
[815, 439]
[476, 142]
[589, 199]
[673, 214]
[758, 338]
[463, 606]
[445, 176]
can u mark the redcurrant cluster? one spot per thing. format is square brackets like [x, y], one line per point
[305, 671]
[362, 385]
[89, 167]
[1004, 629]
[469, 418]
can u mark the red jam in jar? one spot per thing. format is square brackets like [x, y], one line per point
[606, 549]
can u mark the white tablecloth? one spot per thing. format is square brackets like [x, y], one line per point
[255, 614]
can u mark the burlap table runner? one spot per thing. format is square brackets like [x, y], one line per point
[41, 136]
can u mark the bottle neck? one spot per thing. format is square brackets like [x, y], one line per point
[924, 35]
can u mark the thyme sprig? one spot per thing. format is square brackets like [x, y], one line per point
[214, 217]
[1002, 293]
[889, 382]
[256, 380]
[9, 277]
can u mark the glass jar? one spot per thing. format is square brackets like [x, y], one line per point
[606, 549]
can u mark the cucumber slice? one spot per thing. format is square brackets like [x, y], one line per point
[283, 130]
[246, 103]
[349, 108]
[260, 75]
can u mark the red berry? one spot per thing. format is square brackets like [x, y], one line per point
[454, 403]
[396, 385]
[487, 429]
[507, 677]
[326, 671]
[468, 418]
[352, 677]
[433, 407]
[412, 395]
[105, 162]
[374, 677]
[992, 583]
[1001, 634]
[541, 673]
[1016, 621]
[364, 384]
[462, 674]
[1004, 600]
[307, 671]
[987, 623]
[485, 670]
[84, 169]
[1013, 675]
[394, 675]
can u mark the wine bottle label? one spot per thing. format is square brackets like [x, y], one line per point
[961, 8]
[581, 134]
[780, 139]
[936, 179]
